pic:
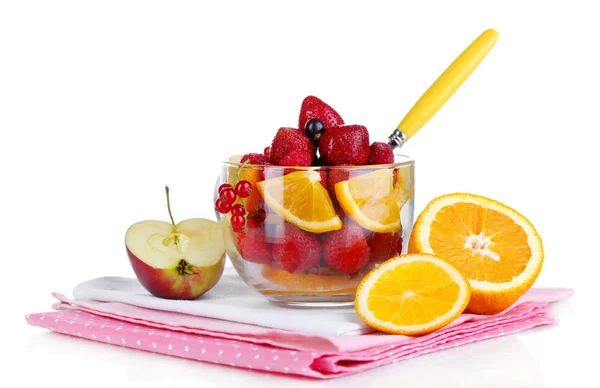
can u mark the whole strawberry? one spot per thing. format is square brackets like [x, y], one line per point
[251, 243]
[346, 250]
[294, 249]
[287, 140]
[258, 159]
[314, 108]
[381, 153]
[348, 144]
[384, 246]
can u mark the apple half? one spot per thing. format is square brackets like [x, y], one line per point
[176, 261]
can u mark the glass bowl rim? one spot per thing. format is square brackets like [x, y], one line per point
[408, 161]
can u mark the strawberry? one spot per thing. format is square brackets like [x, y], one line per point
[251, 242]
[258, 159]
[287, 140]
[315, 108]
[348, 144]
[335, 176]
[297, 158]
[384, 246]
[346, 249]
[381, 153]
[295, 249]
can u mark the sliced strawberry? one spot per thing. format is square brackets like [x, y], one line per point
[314, 108]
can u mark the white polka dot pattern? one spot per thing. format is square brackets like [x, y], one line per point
[256, 356]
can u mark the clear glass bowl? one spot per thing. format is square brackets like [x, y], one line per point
[292, 264]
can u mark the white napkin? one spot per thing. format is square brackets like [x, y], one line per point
[231, 299]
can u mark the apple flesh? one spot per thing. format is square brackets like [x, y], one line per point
[176, 261]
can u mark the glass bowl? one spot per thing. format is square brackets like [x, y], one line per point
[312, 233]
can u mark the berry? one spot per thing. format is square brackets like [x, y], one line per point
[243, 189]
[267, 152]
[287, 140]
[381, 153]
[334, 176]
[228, 196]
[238, 210]
[345, 145]
[297, 158]
[346, 249]
[251, 242]
[237, 228]
[238, 222]
[295, 249]
[315, 108]
[222, 206]
[258, 159]
[223, 187]
[384, 246]
[314, 129]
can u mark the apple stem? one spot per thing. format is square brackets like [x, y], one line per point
[169, 204]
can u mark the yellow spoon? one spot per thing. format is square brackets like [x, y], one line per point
[443, 88]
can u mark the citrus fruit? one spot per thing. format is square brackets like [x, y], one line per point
[494, 246]
[412, 294]
[370, 200]
[308, 283]
[300, 199]
[404, 186]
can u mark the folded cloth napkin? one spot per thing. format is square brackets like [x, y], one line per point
[119, 312]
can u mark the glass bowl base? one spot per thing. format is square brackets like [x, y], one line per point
[312, 301]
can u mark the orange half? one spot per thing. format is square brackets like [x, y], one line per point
[494, 246]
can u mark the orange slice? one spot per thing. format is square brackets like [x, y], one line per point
[404, 185]
[371, 201]
[308, 283]
[300, 199]
[412, 294]
[495, 247]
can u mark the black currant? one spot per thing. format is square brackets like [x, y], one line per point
[314, 128]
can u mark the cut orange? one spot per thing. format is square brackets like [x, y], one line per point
[308, 283]
[300, 199]
[495, 247]
[412, 294]
[250, 174]
[371, 201]
[404, 185]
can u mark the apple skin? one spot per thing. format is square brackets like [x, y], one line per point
[167, 283]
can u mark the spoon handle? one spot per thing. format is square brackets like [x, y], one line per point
[443, 88]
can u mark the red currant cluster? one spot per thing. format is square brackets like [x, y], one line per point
[228, 196]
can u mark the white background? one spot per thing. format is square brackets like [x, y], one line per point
[102, 103]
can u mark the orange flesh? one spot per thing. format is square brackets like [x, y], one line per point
[421, 288]
[499, 249]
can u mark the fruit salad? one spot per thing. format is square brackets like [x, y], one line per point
[306, 219]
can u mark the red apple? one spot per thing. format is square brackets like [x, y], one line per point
[176, 261]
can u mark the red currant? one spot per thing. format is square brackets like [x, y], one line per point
[267, 152]
[237, 229]
[238, 210]
[222, 206]
[243, 189]
[238, 222]
[228, 196]
[223, 187]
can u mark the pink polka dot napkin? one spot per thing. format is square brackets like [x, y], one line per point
[270, 348]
